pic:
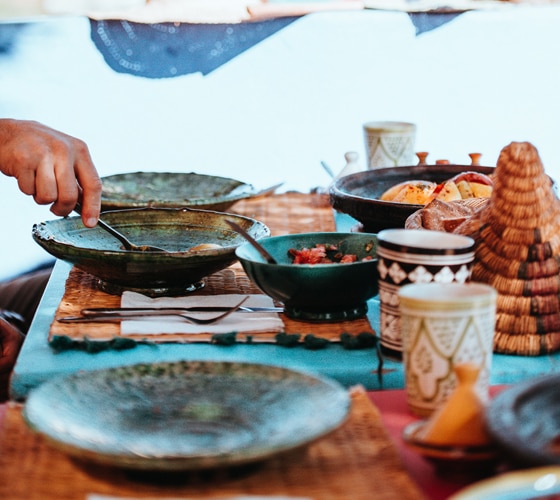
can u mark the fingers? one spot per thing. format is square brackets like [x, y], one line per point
[72, 176]
[77, 176]
[90, 184]
[51, 166]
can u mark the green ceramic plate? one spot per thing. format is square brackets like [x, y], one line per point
[185, 415]
[171, 190]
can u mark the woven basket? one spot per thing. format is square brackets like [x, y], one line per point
[518, 252]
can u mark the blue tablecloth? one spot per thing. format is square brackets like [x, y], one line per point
[38, 362]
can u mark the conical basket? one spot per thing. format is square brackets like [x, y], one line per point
[517, 236]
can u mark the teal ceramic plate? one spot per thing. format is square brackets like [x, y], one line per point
[185, 415]
[171, 190]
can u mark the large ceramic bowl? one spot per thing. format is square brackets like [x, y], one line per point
[171, 190]
[154, 273]
[316, 292]
[358, 194]
[524, 419]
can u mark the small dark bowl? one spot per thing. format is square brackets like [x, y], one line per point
[358, 194]
[319, 292]
[153, 273]
[524, 419]
[171, 190]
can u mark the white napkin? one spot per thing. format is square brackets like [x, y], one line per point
[241, 322]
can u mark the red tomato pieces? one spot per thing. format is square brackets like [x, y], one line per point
[322, 254]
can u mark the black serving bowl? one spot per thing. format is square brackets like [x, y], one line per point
[179, 231]
[358, 194]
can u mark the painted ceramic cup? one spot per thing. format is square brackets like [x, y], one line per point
[389, 144]
[444, 326]
[416, 256]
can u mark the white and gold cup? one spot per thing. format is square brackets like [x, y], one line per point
[444, 326]
[389, 143]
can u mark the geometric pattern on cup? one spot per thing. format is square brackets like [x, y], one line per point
[390, 330]
[434, 345]
[388, 296]
[389, 318]
[403, 273]
[391, 151]
[396, 273]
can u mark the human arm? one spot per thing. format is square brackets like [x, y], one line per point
[11, 340]
[51, 166]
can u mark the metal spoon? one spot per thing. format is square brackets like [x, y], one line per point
[328, 169]
[128, 245]
[236, 227]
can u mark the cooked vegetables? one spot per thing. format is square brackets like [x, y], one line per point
[463, 186]
[322, 253]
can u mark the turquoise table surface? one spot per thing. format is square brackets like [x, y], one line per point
[38, 362]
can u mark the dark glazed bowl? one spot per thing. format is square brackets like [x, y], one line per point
[358, 194]
[524, 419]
[171, 190]
[153, 273]
[319, 292]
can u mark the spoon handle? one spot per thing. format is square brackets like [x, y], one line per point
[236, 227]
[127, 245]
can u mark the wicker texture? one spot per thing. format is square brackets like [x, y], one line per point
[518, 242]
[283, 214]
[357, 461]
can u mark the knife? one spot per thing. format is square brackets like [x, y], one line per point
[162, 311]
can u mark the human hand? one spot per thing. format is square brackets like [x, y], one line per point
[11, 340]
[51, 166]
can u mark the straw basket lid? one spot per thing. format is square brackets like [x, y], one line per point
[517, 236]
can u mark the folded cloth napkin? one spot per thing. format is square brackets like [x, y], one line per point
[241, 322]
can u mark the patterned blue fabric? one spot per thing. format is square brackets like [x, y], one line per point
[166, 50]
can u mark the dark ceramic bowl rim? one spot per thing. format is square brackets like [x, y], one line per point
[358, 194]
[501, 421]
[337, 187]
[159, 256]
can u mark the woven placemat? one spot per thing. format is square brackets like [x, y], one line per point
[283, 214]
[357, 461]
